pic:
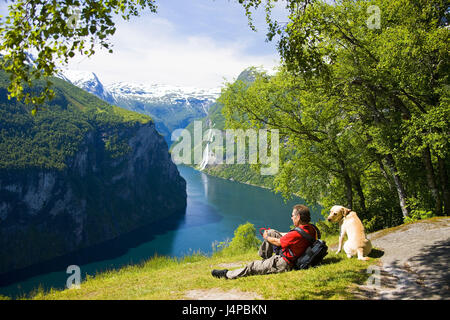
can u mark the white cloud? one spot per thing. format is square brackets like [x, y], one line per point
[152, 50]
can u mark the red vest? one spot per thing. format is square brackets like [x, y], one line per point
[294, 245]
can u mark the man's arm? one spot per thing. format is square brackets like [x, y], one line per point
[272, 240]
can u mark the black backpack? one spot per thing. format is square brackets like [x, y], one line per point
[314, 254]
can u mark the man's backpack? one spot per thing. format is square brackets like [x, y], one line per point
[314, 254]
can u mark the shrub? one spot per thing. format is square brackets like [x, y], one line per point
[244, 239]
[416, 212]
[327, 228]
[416, 215]
[373, 224]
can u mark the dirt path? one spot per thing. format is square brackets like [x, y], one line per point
[219, 294]
[414, 264]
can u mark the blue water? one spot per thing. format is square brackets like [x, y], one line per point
[215, 208]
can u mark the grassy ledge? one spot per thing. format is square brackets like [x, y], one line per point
[165, 278]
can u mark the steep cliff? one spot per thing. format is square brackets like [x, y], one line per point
[77, 174]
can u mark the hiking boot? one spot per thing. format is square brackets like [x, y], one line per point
[219, 273]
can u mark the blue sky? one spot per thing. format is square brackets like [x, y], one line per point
[188, 42]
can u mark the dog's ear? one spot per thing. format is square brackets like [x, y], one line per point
[346, 211]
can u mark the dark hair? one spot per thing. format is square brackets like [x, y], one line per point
[303, 211]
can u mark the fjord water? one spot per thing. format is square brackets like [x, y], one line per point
[215, 208]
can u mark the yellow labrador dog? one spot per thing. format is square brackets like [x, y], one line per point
[351, 226]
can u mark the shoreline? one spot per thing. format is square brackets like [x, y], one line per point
[247, 183]
[254, 185]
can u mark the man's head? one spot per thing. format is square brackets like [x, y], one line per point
[300, 215]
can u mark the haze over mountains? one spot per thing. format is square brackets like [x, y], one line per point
[171, 107]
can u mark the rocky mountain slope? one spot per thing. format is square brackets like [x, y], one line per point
[78, 173]
[87, 81]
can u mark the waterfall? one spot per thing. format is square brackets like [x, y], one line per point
[208, 157]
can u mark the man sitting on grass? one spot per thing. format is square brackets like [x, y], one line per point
[292, 244]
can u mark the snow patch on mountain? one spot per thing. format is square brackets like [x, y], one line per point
[119, 91]
[161, 93]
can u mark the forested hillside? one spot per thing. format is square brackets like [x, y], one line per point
[76, 173]
[55, 132]
[215, 119]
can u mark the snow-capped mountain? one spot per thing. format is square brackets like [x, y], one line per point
[160, 93]
[171, 107]
[88, 81]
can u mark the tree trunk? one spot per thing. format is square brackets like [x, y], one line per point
[362, 199]
[349, 191]
[426, 158]
[383, 171]
[347, 179]
[398, 185]
[444, 182]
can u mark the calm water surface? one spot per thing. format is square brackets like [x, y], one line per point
[215, 208]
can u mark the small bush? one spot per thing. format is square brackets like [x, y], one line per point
[416, 215]
[244, 239]
[374, 224]
[416, 212]
[327, 228]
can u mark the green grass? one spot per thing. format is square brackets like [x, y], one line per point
[164, 278]
[131, 116]
[170, 278]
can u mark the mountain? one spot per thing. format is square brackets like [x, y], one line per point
[216, 120]
[87, 81]
[171, 107]
[78, 173]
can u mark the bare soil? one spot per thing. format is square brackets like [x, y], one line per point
[218, 294]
